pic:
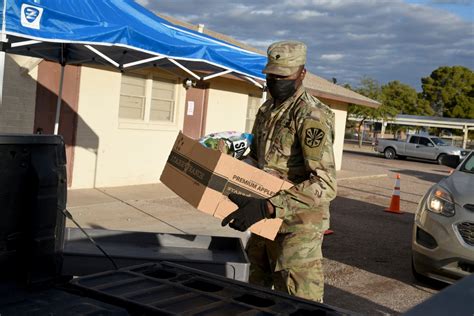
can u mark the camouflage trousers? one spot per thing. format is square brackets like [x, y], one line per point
[292, 263]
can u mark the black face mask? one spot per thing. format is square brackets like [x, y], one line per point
[281, 89]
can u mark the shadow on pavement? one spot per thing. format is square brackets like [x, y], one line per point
[426, 176]
[388, 190]
[369, 239]
[95, 226]
[342, 299]
[362, 153]
[140, 210]
[388, 195]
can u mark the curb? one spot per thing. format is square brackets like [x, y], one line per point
[363, 177]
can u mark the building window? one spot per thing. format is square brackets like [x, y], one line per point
[162, 100]
[252, 109]
[132, 97]
[147, 98]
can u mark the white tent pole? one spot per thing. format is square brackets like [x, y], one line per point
[2, 73]
[3, 39]
[25, 43]
[58, 104]
[184, 68]
[144, 61]
[264, 96]
[254, 82]
[217, 74]
[107, 58]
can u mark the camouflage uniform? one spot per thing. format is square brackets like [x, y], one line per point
[294, 142]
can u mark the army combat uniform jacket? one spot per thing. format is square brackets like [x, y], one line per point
[295, 142]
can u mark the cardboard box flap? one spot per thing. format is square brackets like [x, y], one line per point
[195, 162]
[191, 148]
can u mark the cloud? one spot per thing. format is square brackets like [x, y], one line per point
[457, 2]
[332, 57]
[144, 2]
[308, 14]
[262, 12]
[385, 39]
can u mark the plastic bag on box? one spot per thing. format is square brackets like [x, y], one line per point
[231, 143]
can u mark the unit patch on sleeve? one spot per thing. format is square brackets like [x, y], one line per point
[313, 138]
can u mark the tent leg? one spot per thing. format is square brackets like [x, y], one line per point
[264, 97]
[2, 74]
[58, 104]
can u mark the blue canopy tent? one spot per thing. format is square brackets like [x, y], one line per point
[119, 33]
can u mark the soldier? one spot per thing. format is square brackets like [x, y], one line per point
[293, 139]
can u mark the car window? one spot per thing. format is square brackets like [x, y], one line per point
[468, 165]
[414, 140]
[424, 141]
[438, 141]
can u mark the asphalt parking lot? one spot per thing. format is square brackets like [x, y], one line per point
[367, 259]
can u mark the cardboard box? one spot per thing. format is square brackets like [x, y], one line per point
[204, 177]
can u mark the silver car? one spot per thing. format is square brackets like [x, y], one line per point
[443, 233]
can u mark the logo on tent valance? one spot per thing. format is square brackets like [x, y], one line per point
[31, 16]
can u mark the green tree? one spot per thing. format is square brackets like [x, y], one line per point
[450, 91]
[405, 99]
[370, 88]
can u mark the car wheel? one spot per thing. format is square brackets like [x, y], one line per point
[440, 159]
[389, 153]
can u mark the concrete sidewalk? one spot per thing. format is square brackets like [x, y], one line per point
[154, 208]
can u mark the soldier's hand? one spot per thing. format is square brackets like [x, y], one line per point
[250, 211]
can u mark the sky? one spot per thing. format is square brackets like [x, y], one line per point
[386, 40]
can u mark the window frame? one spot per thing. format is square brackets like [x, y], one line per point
[143, 98]
[146, 123]
[428, 141]
[173, 112]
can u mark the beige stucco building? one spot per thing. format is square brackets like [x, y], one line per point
[119, 127]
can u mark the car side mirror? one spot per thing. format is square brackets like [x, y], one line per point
[429, 145]
[451, 161]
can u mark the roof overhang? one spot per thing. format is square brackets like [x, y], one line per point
[344, 99]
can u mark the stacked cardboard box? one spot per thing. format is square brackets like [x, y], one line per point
[204, 177]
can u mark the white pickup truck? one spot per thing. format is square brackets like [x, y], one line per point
[418, 146]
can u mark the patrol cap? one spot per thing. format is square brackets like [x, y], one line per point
[285, 58]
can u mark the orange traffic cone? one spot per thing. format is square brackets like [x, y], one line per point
[395, 202]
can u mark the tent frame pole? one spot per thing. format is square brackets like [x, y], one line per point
[143, 61]
[60, 98]
[25, 43]
[184, 68]
[3, 39]
[2, 75]
[254, 82]
[99, 53]
[264, 96]
[217, 74]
